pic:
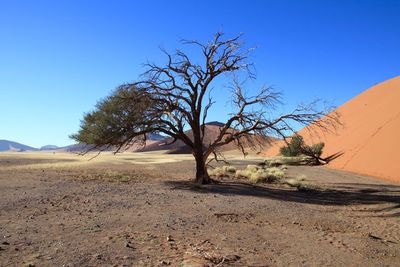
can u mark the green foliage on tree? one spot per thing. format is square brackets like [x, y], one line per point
[117, 120]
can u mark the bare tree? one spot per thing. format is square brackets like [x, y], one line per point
[176, 96]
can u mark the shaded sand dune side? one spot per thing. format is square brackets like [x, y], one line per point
[370, 136]
[211, 133]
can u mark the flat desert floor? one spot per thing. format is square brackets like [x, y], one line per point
[139, 209]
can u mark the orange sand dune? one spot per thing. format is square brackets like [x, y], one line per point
[211, 133]
[370, 136]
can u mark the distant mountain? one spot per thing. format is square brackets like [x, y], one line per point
[49, 147]
[151, 138]
[155, 137]
[6, 145]
[75, 148]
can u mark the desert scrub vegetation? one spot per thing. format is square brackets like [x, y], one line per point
[257, 174]
[223, 171]
[310, 154]
[254, 173]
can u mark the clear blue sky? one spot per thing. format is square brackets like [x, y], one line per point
[57, 58]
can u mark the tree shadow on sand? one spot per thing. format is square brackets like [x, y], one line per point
[348, 194]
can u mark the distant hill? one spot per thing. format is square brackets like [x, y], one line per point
[6, 145]
[155, 137]
[49, 147]
[151, 138]
[216, 123]
[76, 148]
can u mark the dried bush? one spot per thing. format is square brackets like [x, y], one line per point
[258, 174]
[223, 171]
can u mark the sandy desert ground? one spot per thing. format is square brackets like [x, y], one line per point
[139, 209]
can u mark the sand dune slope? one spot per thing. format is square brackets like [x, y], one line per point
[370, 136]
[211, 133]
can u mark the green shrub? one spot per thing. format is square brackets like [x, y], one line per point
[314, 150]
[296, 147]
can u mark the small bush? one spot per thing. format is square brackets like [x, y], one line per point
[277, 172]
[314, 150]
[217, 172]
[258, 174]
[246, 173]
[230, 169]
[296, 147]
[254, 173]
[252, 168]
[223, 171]
[242, 174]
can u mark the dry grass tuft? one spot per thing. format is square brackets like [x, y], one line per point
[254, 173]
[223, 171]
[258, 174]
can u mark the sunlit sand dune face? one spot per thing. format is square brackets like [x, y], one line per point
[369, 137]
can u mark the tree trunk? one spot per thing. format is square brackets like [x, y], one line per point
[202, 176]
